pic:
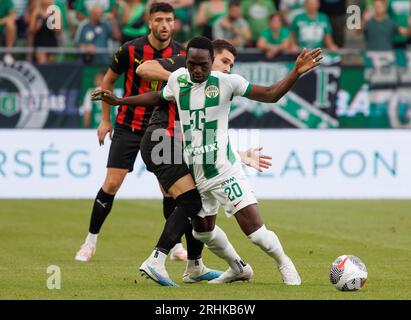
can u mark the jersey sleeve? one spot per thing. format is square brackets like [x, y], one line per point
[167, 93]
[240, 86]
[120, 62]
[173, 63]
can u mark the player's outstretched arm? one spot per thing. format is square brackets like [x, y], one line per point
[305, 62]
[149, 99]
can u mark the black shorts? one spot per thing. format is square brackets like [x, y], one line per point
[124, 148]
[162, 155]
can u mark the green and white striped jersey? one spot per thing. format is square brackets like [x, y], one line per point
[204, 109]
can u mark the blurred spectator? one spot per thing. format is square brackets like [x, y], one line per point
[92, 110]
[97, 33]
[399, 11]
[289, 9]
[274, 39]
[83, 7]
[132, 18]
[184, 10]
[7, 27]
[208, 13]
[380, 30]
[311, 29]
[257, 13]
[336, 12]
[233, 27]
[22, 17]
[42, 36]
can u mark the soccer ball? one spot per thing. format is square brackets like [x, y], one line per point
[348, 273]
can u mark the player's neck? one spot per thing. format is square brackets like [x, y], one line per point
[159, 45]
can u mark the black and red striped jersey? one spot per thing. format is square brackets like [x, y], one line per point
[128, 57]
[162, 115]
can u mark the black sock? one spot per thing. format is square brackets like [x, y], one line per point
[169, 204]
[174, 228]
[194, 246]
[188, 205]
[101, 209]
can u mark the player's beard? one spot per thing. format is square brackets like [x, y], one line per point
[161, 38]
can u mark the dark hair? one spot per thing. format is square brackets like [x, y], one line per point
[233, 3]
[161, 7]
[201, 43]
[220, 44]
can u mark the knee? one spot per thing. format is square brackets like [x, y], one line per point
[205, 237]
[191, 202]
[112, 184]
[261, 237]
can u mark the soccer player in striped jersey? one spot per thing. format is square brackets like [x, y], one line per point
[131, 122]
[162, 127]
[203, 99]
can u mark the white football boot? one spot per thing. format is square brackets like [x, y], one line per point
[193, 275]
[231, 275]
[86, 252]
[289, 273]
[157, 273]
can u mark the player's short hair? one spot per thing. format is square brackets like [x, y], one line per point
[220, 45]
[161, 7]
[201, 43]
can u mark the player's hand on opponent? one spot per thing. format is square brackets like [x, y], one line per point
[254, 159]
[106, 96]
[308, 60]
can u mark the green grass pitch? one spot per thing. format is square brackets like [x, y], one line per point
[37, 233]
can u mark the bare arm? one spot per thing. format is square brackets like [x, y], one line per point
[201, 18]
[152, 70]
[149, 99]
[304, 63]
[329, 43]
[406, 32]
[105, 125]
[293, 42]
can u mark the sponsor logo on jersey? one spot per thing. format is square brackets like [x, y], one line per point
[182, 81]
[195, 151]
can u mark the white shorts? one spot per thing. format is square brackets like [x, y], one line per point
[231, 190]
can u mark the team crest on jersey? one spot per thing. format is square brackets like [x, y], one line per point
[212, 91]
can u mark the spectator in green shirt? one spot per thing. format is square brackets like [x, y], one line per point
[83, 7]
[233, 27]
[274, 39]
[311, 29]
[380, 31]
[289, 9]
[399, 11]
[133, 19]
[8, 27]
[257, 14]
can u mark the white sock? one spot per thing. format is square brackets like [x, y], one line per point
[92, 238]
[195, 264]
[218, 244]
[158, 257]
[269, 243]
